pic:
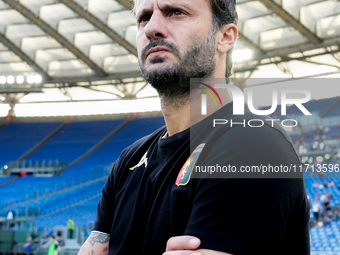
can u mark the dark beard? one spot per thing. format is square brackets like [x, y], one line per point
[174, 82]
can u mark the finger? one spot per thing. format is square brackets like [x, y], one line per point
[182, 253]
[179, 243]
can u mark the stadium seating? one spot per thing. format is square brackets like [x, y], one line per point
[46, 204]
[18, 138]
[74, 140]
[333, 133]
[335, 111]
[69, 144]
[334, 191]
[326, 239]
[84, 215]
[5, 179]
[77, 191]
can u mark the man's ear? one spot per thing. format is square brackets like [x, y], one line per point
[226, 37]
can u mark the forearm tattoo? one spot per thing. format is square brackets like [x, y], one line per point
[98, 238]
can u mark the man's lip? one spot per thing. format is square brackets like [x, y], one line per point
[155, 49]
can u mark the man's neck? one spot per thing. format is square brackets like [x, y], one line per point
[176, 114]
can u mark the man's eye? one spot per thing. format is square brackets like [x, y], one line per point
[177, 12]
[144, 19]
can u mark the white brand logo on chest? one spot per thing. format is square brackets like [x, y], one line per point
[143, 160]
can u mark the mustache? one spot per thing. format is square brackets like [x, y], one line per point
[160, 42]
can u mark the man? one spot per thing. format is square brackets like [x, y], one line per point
[70, 227]
[28, 245]
[149, 203]
[54, 246]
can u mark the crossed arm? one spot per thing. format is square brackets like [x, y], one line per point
[98, 244]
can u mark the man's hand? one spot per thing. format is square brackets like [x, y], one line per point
[188, 245]
[182, 245]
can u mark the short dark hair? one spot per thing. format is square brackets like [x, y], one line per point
[224, 12]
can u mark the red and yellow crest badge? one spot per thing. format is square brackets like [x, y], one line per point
[184, 175]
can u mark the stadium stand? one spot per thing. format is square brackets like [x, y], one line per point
[74, 140]
[5, 179]
[335, 111]
[24, 134]
[44, 194]
[85, 214]
[52, 200]
[78, 59]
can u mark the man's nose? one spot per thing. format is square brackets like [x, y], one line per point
[156, 26]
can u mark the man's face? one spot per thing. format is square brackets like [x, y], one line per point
[175, 42]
